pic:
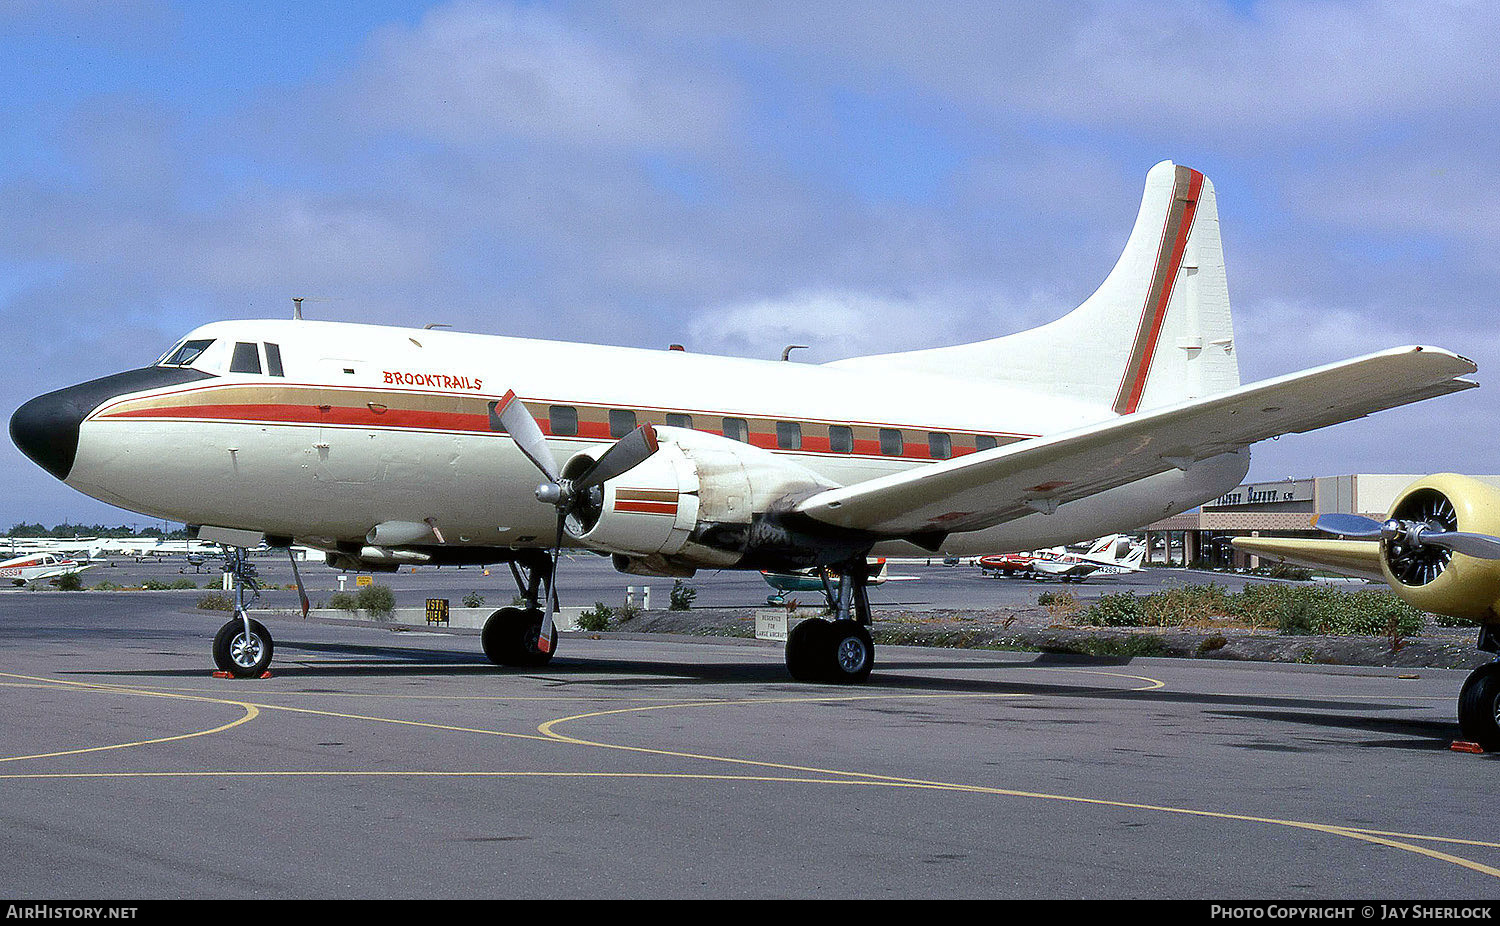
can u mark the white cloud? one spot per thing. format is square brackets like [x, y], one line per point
[840, 323]
[472, 72]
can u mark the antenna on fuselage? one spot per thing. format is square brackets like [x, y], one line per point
[786, 353]
[297, 312]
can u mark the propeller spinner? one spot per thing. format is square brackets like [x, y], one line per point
[576, 496]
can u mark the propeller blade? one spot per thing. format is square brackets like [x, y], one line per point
[622, 456]
[544, 636]
[523, 429]
[1348, 525]
[1479, 546]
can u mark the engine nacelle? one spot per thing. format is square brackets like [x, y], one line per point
[698, 501]
[648, 510]
[1434, 579]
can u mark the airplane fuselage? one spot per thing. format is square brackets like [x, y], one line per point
[319, 431]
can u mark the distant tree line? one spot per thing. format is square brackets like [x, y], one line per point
[64, 531]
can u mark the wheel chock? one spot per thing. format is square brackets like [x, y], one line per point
[1464, 746]
[223, 674]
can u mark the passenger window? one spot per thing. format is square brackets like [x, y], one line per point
[789, 435]
[840, 438]
[186, 353]
[246, 358]
[939, 445]
[273, 360]
[985, 442]
[737, 429]
[562, 420]
[620, 422]
[890, 442]
[675, 420]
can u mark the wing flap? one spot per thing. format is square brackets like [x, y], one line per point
[994, 486]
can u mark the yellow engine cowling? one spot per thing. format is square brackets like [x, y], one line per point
[1466, 587]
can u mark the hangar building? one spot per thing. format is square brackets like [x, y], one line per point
[1284, 508]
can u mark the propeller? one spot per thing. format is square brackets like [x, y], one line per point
[579, 497]
[1418, 549]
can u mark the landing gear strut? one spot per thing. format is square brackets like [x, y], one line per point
[840, 650]
[242, 647]
[511, 635]
[1479, 700]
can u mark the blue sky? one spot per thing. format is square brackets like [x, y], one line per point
[861, 177]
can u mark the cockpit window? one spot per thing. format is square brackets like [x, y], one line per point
[246, 358]
[185, 353]
[273, 359]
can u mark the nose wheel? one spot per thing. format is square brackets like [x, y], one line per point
[243, 648]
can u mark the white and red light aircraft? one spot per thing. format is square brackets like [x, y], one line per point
[387, 446]
[34, 567]
[1113, 555]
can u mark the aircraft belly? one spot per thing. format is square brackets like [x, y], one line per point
[1126, 508]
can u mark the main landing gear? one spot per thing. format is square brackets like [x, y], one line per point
[511, 635]
[1479, 700]
[243, 646]
[838, 650]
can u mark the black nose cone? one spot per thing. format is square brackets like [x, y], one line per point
[46, 429]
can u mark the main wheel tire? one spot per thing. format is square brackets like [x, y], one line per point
[1479, 707]
[807, 650]
[510, 635]
[242, 656]
[851, 652]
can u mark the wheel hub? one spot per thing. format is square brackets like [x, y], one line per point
[851, 654]
[245, 651]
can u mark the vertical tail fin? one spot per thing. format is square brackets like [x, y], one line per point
[1156, 331]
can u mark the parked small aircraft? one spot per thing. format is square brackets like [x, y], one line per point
[390, 446]
[1437, 550]
[1113, 555]
[821, 581]
[33, 567]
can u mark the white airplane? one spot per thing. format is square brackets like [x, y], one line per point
[33, 567]
[1113, 555]
[386, 446]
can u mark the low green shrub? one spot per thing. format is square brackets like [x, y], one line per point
[682, 596]
[1116, 609]
[1291, 609]
[377, 600]
[596, 618]
[342, 601]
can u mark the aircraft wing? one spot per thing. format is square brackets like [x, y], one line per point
[1063, 569]
[1348, 557]
[992, 487]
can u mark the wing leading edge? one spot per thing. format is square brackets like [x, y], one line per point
[984, 489]
[1348, 557]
